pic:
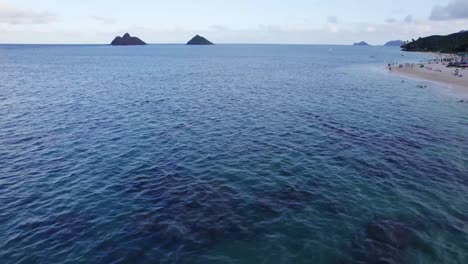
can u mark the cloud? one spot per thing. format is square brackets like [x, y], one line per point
[408, 19]
[271, 28]
[10, 14]
[348, 33]
[390, 20]
[219, 28]
[332, 20]
[103, 20]
[457, 9]
[371, 29]
[332, 28]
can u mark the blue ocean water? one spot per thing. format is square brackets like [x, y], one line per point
[227, 154]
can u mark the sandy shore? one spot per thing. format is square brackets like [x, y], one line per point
[436, 72]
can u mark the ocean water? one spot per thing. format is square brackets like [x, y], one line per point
[228, 154]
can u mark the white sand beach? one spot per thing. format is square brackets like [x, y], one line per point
[436, 72]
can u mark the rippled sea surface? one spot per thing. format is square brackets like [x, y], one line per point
[227, 154]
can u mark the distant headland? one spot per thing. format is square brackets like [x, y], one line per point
[127, 40]
[394, 43]
[457, 42]
[199, 40]
[362, 43]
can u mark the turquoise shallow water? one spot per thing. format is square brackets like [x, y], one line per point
[227, 154]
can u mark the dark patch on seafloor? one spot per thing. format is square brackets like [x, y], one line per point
[187, 214]
[293, 198]
[388, 240]
[383, 241]
[61, 231]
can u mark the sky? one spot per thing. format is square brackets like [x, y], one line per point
[229, 21]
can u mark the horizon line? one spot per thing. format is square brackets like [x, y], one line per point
[184, 44]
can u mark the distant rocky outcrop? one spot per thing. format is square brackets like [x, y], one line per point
[362, 43]
[457, 42]
[199, 40]
[127, 40]
[395, 43]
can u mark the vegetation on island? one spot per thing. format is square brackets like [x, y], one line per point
[454, 43]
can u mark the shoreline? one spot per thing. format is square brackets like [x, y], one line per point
[435, 71]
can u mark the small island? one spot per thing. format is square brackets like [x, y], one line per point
[362, 43]
[199, 40]
[127, 40]
[394, 43]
